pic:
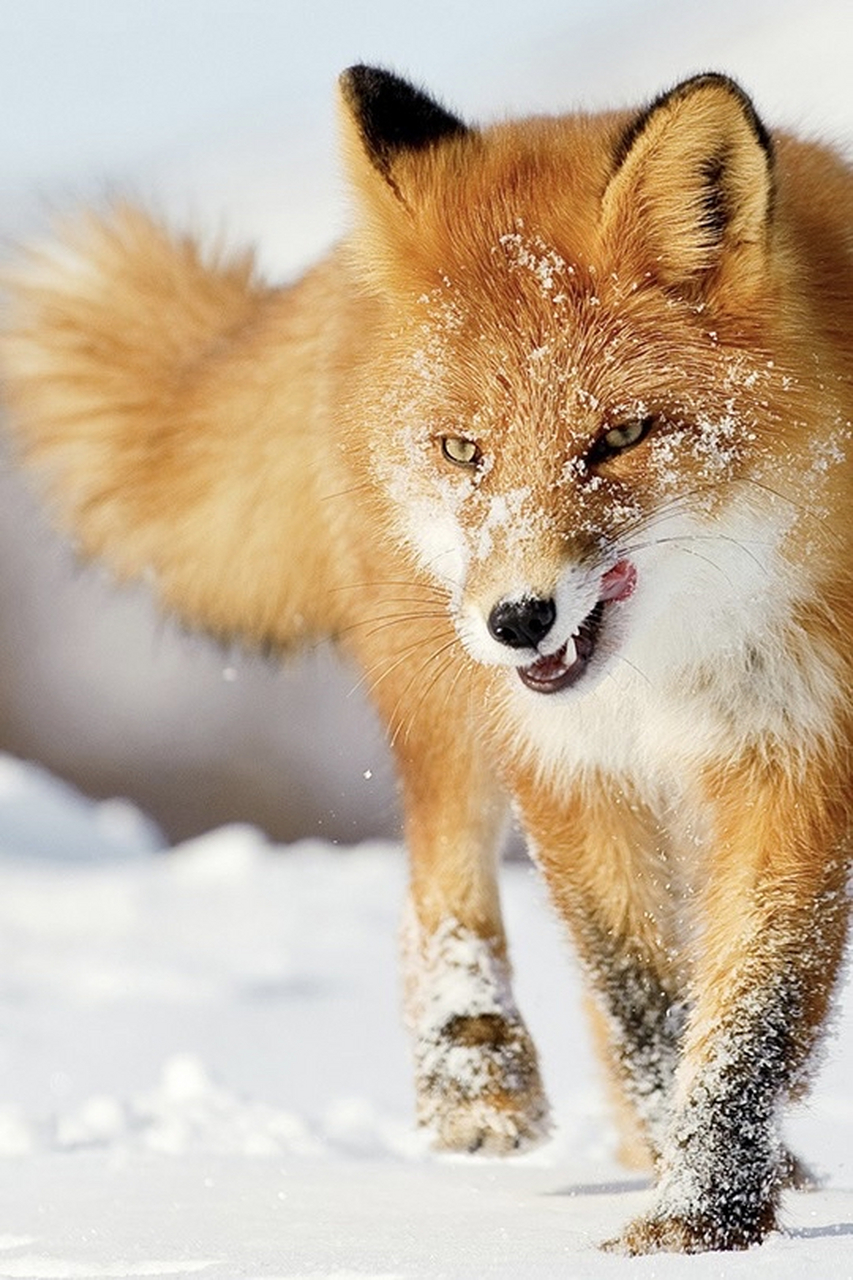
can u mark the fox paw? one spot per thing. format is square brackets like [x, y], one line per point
[690, 1233]
[479, 1087]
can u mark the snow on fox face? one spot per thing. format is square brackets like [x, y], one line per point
[552, 472]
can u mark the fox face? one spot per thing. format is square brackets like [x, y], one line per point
[543, 501]
[585, 417]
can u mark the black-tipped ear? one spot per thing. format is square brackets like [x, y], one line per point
[392, 116]
[692, 188]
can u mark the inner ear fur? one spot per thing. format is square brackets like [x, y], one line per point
[692, 189]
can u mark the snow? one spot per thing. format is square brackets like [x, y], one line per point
[205, 1072]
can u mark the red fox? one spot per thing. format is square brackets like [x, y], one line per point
[555, 443]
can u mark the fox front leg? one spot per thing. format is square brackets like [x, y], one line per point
[477, 1080]
[637, 1019]
[774, 919]
[723, 1165]
[604, 858]
[476, 1071]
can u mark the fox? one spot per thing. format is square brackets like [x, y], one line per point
[555, 444]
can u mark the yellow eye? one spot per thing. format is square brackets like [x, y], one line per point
[461, 452]
[629, 433]
[620, 438]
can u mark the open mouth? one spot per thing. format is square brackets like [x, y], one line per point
[560, 670]
[564, 668]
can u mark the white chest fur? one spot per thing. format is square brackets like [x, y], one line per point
[705, 657]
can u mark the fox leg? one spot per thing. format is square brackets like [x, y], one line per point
[637, 1017]
[477, 1078]
[774, 917]
[604, 859]
[476, 1072]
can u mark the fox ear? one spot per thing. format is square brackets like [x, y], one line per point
[693, 186]
[388, 120]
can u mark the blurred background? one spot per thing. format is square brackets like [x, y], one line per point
[220, 113]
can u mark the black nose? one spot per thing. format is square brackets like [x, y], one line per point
[521, 624]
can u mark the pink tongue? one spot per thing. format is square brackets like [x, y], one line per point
[619, 582]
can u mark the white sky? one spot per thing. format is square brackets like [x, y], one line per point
[105, 82]
[228, 105]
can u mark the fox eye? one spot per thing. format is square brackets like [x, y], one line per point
[461, 452]
[620, 438]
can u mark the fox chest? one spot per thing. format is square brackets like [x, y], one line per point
[672, 704]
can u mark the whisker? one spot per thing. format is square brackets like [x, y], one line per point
[383, 621]
[368, 672]
[402, 656]
[427, 690]
[783, 497]
[405, 584]
[817, 519]
[628, 663]
[344, 493]
[431, 657]
[691, 551]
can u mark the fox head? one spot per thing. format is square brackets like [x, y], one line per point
[583, 360]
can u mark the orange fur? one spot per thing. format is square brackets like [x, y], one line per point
[570, 403]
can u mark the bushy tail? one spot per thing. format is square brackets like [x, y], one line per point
[112, 368]
[104, 325]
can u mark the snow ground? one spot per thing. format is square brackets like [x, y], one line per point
[204, 1072]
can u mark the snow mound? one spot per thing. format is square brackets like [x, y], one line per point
[42, 817]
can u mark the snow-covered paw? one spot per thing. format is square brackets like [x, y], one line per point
[479, 1087]
[726, 1215]
[692, 1233]
[476, 1070]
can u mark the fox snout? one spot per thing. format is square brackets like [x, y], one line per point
[558, 634]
